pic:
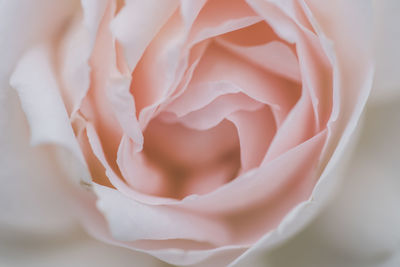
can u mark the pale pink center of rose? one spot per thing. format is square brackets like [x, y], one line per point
[219, 106]
[216, 120]
[229, 99]
[192, 161]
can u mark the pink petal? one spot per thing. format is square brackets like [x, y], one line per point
[212, 114]
[128, 28]
[256, 130]
[130, 220]
[114, 177]
[298, 126]
[137, 171]
[211, 22]
[219, 65]
[96, 106]
[274, 56]
[249, 188]
[177, 144]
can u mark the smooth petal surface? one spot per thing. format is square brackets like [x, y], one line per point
[27, 170]
[131, 221]
[253, 126]
[75, 48]
[35, 21]
[32, 190]
[137, 24]
[274, 56]
[39, 93]
[212, 114]
[360, 226]
[360, 83]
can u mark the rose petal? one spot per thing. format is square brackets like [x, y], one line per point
[26, 170]
[42, 20]
[330, 17]
[93, 11]
[274, 57]
[75, 49]
[97, 226]
[219, 65]
[190, 9]
[212, 114]
[96, 106]
[109, 104]
[314, 65]
[114, 177]
[298, 126]
[155, 72]
[39, 93]
[369, 190]
[200, 95]
[74, 53]
[129, 220]
[256, 130]
[137, 171]
[33, 184]
[185, 156]
[128, 28]
[207, 180]
[347, 106]
[168, 45]
[235, 196]
[211, 22]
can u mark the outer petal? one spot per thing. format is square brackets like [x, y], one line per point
[130, 220]
[370, 193]
[29, 21]
[137, 24]
[41, 101]
[360, 226]
[75, 48]
[351, 94]
[29, 195]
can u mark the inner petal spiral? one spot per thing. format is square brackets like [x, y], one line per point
[192, 161]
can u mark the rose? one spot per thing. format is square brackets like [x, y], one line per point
[109, 92]
[67, 96]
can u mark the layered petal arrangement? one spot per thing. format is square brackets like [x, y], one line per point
[206, 123]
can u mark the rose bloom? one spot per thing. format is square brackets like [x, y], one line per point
[197, 131]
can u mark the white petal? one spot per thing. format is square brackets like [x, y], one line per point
[36, 84]
[130, 220]
[137, 24]
[331, 17]
[31, 192]
[360, 226]
[93, 11]
[23, 22]
[30, 196]
[367, 209]
[74, 52]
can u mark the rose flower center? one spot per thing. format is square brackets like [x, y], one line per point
[209, 103]
[192, 161]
